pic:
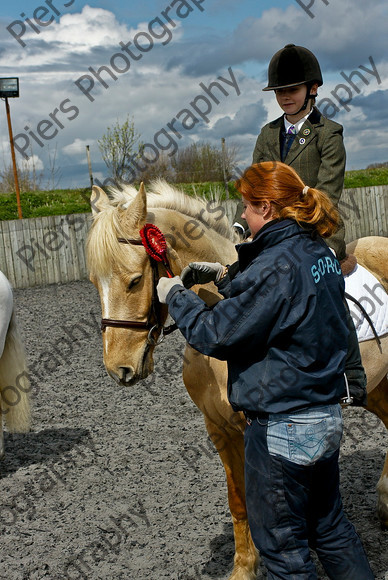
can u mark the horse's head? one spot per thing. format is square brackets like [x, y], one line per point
[125, 278]
[124, 275]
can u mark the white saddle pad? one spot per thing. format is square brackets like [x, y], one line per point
[365, 288]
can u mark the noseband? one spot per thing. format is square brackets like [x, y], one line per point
[153, 322]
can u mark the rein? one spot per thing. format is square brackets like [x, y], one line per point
[153, 322]
[368, 318]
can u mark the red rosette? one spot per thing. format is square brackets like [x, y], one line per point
[155, 245]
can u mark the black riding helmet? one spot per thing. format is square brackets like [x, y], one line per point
[292, 66]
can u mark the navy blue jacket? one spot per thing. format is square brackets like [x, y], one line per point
[282, 325]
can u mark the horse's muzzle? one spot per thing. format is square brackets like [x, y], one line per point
[127, 376]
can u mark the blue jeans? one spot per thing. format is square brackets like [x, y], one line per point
[293, 498]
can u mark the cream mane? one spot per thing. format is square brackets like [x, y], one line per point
[102, 245]
[162, 195]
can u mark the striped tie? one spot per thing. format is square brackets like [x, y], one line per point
[288, 140]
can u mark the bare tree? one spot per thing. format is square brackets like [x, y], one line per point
[204, 162]
[119, 146]
[55, 173]
[161, 168]
[28, 180]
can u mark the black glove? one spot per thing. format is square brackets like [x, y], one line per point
[201, 273]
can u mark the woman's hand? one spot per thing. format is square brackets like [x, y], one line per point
[164, 286]
[202, 273]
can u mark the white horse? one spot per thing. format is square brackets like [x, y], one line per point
[14, 380]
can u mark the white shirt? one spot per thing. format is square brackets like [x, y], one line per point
[298, 125]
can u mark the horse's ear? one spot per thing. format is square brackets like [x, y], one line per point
[136, 212]
[98, 200]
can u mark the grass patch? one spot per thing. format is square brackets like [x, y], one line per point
[45, 203]
[70, 201]
[366, 177]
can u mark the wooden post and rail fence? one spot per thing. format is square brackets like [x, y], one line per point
[49, 250]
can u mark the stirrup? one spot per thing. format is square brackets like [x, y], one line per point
[347, 400]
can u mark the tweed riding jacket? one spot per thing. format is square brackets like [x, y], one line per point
[318, 156]
[282, 327]
[317, 153]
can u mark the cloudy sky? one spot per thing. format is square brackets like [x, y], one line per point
[84, 65]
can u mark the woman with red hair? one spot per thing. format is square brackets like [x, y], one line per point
[288, 197]
[282, 328]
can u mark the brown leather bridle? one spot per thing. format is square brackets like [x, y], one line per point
[153, 323]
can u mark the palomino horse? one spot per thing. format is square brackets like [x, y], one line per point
[133, 319]
[14, 382]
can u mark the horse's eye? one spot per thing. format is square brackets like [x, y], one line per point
[134, 282]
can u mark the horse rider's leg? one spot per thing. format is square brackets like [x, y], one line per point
[378, 404]
[229, 443]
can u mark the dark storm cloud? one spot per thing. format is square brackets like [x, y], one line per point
[343, 36]
[374, 106]
[248, 120]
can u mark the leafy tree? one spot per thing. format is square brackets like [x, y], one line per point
[118, 146]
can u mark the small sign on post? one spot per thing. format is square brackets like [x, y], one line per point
[9, 88]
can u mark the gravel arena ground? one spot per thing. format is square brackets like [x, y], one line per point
[122, 484]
